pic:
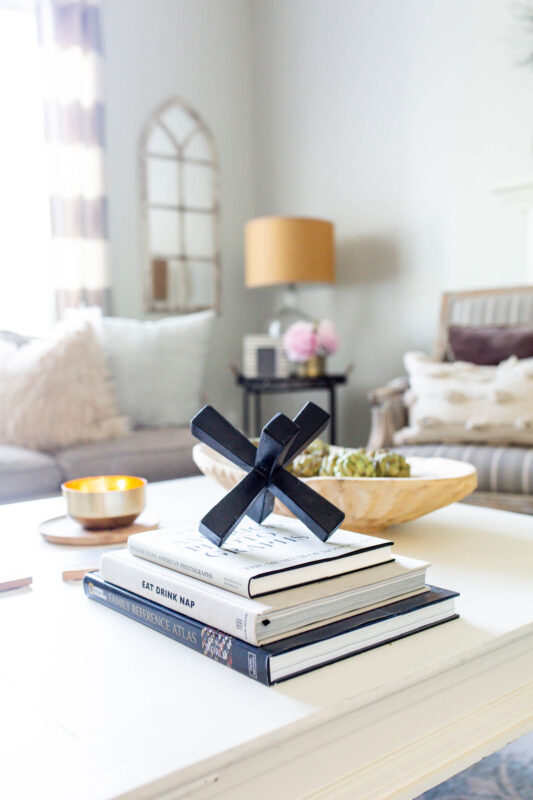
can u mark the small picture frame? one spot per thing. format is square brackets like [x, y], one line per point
[263, 357]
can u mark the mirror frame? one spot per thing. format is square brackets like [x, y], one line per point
[151, 304]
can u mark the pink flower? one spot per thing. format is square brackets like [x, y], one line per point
[300, 341]
[327, 339]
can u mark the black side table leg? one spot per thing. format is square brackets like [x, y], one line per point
[332, 412]
[246, 411]
[257, 413]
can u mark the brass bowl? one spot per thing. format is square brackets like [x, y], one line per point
[105, 501]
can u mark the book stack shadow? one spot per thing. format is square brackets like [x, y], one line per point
[274, 602]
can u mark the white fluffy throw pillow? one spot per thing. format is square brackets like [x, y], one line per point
[56, 392]
[462, 402]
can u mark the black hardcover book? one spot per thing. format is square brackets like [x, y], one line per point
[294, 655]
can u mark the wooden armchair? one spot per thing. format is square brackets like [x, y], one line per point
[505, 474]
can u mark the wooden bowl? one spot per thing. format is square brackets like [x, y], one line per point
[370, 504]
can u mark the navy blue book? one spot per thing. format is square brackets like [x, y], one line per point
[293, 655]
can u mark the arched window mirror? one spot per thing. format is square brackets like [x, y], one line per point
[180, 208]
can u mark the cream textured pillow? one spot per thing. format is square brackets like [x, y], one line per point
[462, 402]
[56, 392]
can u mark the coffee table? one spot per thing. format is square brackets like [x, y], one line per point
[94, 705]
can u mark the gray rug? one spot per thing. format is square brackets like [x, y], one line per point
[505, 775]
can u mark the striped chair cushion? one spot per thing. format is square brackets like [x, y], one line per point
[499, 469]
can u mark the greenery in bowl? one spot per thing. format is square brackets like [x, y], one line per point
[321, 460]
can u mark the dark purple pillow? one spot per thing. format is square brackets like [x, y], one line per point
[489, 346]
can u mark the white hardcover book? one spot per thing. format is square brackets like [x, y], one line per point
[260, 559]
[273, 616]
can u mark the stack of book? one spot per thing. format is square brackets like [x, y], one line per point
[275, 601]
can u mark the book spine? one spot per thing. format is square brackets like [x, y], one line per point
[194, 568]
[195, 599]
[216, 645]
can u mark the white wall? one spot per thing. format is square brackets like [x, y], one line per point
[393, 118]
[200, 50]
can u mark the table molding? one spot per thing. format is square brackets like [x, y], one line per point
[318, 748]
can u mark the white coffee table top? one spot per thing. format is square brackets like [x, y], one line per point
[94, 705]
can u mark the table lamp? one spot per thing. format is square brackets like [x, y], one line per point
[287, 251]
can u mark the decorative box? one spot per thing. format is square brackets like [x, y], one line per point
[263, 356]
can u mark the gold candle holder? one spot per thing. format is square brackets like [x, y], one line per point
[100, 502]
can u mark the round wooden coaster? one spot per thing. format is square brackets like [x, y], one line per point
[64, 530]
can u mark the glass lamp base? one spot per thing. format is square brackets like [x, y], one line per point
[283, 320]
[287, 314]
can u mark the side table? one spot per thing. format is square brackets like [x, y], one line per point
[257, 387]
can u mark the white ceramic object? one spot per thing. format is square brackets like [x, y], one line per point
[370, 504]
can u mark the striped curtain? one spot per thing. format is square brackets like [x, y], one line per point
[71, 42]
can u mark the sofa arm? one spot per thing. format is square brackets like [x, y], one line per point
[388, 412]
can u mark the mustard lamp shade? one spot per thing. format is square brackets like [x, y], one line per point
[289, 250]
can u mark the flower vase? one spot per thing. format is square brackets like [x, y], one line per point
[312, 368]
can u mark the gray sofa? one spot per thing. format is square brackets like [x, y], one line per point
[155, 453]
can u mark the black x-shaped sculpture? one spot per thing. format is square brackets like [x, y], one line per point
[281, 440]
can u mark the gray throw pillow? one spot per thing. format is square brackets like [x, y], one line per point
[158, 367]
